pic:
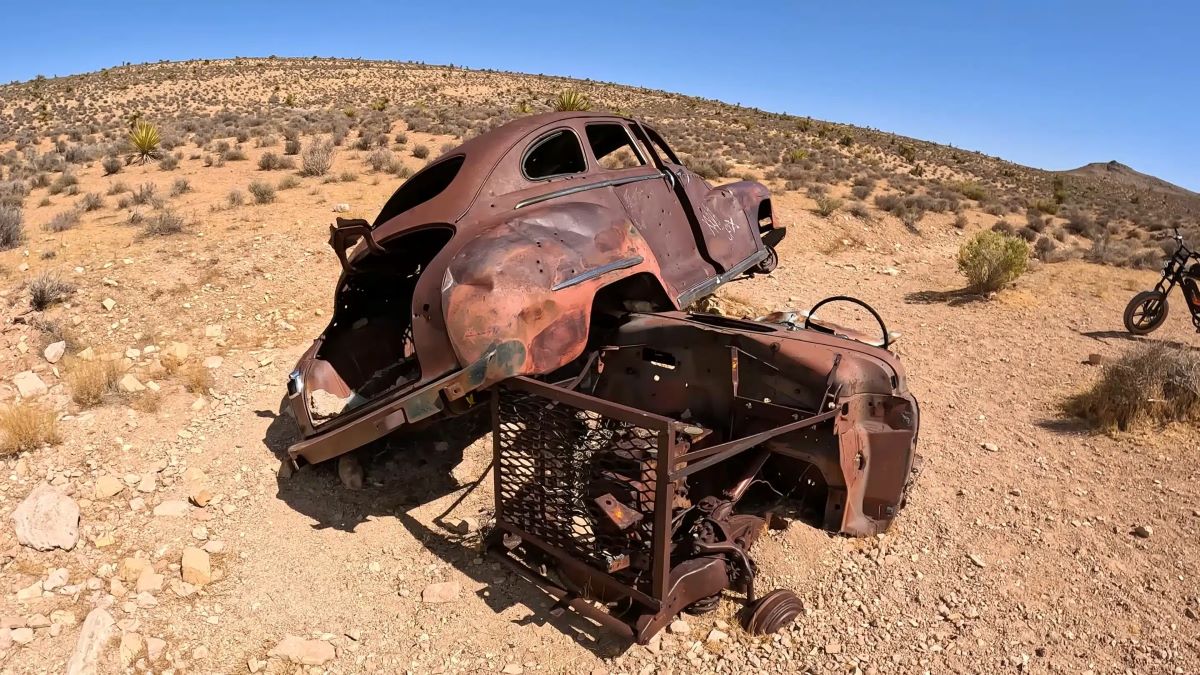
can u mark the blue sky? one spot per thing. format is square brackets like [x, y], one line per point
[1045, 83]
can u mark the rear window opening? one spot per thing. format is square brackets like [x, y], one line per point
[425, 185]
[368, 348]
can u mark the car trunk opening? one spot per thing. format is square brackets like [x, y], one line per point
[367, 350]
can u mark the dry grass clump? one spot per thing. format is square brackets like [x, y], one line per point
[12, 231]
[1152, 384]
[317, 159]
[27, 426]
[47, 289]
[196, 378]
[91, 381]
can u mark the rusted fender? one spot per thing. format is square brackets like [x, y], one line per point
[749, 196]
[531, 279]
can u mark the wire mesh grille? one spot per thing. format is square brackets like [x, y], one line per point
[581, 481]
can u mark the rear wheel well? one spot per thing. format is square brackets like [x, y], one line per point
[641, 292]
[765, 216]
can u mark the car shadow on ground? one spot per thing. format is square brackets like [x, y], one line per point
[401, 474]
[953, 298]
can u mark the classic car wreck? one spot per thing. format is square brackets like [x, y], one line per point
[544, 269]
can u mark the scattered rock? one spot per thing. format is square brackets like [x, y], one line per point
[1143, 531]
[177, 352]
[131, 569]
[976, 560]
[341, 207]
[47, 519]
[172, 508]
[350, 472]
[990, 447]
[679, 627]
[22, 636]
[54, 351]
[213, 362]
[194, 567]
[147, 484]
[56, 579]
[108, 486]
[1191, 613]
[213, 330]
[29, 385]
[97, 628]
[304, 652]
[716, 635]
[463, 526]
[130, 384]
[513, 669]
[131, 648]
[199, 495]
[108, 304]
[833, 647]
[154, 648]
[440, 592]
[1095, 360]
[149, 581]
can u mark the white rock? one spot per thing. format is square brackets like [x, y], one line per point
[54, 351]
[213, 362]
[56, 579]
[29, 384]
[172, 508]
[305, 652]
[130, 384]
[440, 592]
[194, 567]
[47, 519]
[98, 627]
[108, 304]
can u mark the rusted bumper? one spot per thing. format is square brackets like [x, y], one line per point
[452, 392]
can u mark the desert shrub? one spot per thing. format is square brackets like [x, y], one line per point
[180, 186]
[317, 159]
[291, 146]
[1028, 234]
[570, 100]
[991, 260]
[164, 223]
[62, 183]
[1004, 227]
[47, 289]
[794, 156]
[888, 203]
[972, 190]
[270, 161]
[861, 191]
[348, 177]
[708, 167]
[1045, 206]
[144, 194]
[233, 155]
[235, 198]
[1081, 223]
[1154, 383]
[420, 151]
[826, 205]
[263, 193]
[1044, 249]
[859, 210]
[91, 381]
[960, 221]
[168, 163]
[91, 201]
[111, 165]
[380, 159]
[62, 222]
[12, 229]
[145, 139]
[27, 426]
[289, 182]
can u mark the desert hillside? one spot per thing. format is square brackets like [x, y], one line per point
[153, 310]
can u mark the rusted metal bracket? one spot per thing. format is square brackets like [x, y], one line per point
[346, 233]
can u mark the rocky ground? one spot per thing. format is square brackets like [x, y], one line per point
[162, 534]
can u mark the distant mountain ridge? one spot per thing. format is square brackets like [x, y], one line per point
[1116, 172]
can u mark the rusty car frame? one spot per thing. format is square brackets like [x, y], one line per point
[639, 450]
[494, 260]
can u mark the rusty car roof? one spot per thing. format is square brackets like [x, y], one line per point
[480, 157]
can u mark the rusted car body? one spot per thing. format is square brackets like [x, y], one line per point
[639, 450]
[493, 261]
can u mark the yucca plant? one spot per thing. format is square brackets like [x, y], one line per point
[145, 139]
[523, 108]
[571, 100]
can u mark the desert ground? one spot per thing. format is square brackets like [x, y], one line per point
[1031, 542]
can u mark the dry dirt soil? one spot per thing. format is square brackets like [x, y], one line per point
[1017, 551]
